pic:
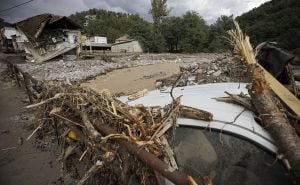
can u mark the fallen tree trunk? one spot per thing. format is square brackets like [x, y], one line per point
[263, 100]
[151, 160]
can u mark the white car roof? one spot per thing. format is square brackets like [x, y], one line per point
[201, 96]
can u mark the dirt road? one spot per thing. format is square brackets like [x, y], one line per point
[21, 164]
[130, 80]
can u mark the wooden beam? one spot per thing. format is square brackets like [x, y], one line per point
[283, 93]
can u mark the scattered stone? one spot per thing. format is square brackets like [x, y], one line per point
[192, 78]
[158, 84]
[4, 131]
[210, 72]
[218, 73]
[223, 69]
[24, 117]
[214, 67]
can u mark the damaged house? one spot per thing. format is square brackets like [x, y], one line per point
[49, 36]
[11, 40]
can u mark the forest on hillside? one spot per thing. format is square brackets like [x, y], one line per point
[277, 20]
[187, 33]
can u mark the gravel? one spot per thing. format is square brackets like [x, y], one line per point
[221, 69]
[83, 70]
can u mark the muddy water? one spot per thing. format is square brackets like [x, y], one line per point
[134, 79]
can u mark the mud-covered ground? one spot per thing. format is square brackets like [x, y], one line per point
[22, 162]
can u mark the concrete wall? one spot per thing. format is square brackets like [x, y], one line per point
[16, 37]
[127, 47]
[72, 35]
[9, 32]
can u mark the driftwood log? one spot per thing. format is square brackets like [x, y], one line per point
[263, 100]
[193, 113]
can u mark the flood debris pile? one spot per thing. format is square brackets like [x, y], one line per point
[102, 140]
[80, 70]
[221, 69]
[105, 141]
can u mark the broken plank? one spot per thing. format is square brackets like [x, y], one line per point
[283, 93]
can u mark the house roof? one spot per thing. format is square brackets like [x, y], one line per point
[123, 42]
[123, 38]
[31, 26]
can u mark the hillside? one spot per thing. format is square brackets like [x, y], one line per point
[115, 24]
[277, 20]
[108, 23]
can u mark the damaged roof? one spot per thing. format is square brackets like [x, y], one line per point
[33, 26]
[123, 38]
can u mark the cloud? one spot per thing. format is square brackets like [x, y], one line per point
[210, 10]
[60, 7]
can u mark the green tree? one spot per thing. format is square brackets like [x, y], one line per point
[194, 33]
[277, 20]
[158, 11]
[172, 32]
[218, 32]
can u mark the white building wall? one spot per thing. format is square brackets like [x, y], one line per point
[128, 47]
[18, 38]
[100, 40]
[21, 37]
[137, 47]
[72, 35]
[9, 32]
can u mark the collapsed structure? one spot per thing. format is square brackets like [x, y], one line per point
[42, 37]
[49, 36]
[46, 36]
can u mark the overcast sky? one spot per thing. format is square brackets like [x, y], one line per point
[208, 9]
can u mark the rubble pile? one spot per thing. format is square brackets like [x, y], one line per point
[82, 70]
[98, 133]
[78, 70]
[222, 69]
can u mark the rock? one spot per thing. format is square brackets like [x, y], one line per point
[192, 78]
[188, 67]
[158, 84]
[210, 72]
[214, 67]
[201, 71]
[218, 73]
[24, 117]
[225, 60]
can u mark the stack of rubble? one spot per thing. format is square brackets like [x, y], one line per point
[226, 69]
